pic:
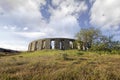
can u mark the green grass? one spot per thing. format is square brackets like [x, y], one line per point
[47, 53]
[60, 65]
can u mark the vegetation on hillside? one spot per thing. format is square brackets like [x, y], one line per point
[93, 39]
[60, 65]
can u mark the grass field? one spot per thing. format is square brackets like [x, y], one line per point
[60, 65]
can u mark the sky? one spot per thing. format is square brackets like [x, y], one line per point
[22, 21]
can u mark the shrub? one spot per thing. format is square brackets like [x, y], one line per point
[80, 53]
[101, 47]
[63, 56]
[115, 52]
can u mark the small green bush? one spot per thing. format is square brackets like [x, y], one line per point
[115, 52]
[63, 56]
[80, 53]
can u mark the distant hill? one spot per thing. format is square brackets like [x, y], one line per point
[7, 51]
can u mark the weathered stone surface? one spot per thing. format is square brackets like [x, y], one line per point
[59, 43]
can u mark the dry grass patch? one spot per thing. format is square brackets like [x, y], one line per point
[60, 65]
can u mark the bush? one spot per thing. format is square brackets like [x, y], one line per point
[101, 47]
[62, 56]
[80, 53]
[115, 52]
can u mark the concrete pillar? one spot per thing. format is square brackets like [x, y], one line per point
[33, 46]
[66, 44]
[29, 47]
[57, 44]
[36, 45]
[39, 46]
[43, 44]
[48, 43]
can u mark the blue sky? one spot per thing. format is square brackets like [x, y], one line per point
[22, 21]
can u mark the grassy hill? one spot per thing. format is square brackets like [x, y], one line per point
[60, 65]
[7, 52]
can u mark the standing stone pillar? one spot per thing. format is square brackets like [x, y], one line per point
[57, 44]
[39, 44]
[48, 44]
[66, 44]
[29, 47]
[33, 46]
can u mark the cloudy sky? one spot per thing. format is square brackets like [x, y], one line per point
[22, 21]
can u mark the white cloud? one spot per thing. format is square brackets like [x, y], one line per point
[25, 28]
[92, 1]
[26, 13]
[21, 12]
[106, 14]
[22, 19]
[12, 45]
[67, 7]
[10, 40]
[5, 27]
[22, 6]
[65, 27]
[30, 34]
[63, 20]
[10, 28]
